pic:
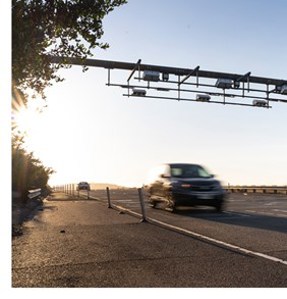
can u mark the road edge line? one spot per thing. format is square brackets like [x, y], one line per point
[200, 236]
[215, 241]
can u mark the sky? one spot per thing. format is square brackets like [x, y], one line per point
[90, 132]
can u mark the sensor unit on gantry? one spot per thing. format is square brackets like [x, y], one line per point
[151, 76]
[224, 83]
[202, 97]
[284, 89]
[260, 103]
[139, 92]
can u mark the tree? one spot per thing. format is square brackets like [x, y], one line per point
[41, 28]
[53, 27]
[28, 172]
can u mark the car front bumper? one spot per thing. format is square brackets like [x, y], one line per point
[198, 198]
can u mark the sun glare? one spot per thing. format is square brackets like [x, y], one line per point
[25, 117]
[24, 120]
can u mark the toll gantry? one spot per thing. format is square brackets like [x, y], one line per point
[184, 84]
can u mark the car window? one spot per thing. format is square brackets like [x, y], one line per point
[203, 173]
[177, 172]
[189, 171]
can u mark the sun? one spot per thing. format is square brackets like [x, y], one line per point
[24, 120]
[26, 116]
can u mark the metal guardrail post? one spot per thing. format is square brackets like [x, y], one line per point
[109, 197]
[142, 205]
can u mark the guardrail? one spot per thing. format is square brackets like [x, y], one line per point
[70, 189]
[66, 188]
[34, 193]
[257, 189]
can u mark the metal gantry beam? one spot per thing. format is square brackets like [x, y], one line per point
[259, 89]
[192, 73]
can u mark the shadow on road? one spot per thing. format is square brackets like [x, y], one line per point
[265, 222]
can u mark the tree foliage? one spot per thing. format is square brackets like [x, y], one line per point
[28, 172]
[53, 27]
[41, 28]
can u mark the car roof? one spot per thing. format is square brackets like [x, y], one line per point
[181, 164]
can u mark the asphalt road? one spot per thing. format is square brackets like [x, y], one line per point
[77, 242]
[253, 221]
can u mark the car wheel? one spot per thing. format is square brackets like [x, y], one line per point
[219, 207]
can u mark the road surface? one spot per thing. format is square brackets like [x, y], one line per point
[78, 242]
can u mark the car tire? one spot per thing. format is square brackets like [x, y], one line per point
[219, 208]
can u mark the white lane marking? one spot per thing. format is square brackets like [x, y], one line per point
[228, 245]
[234, 213]
[124, 200]
[278, 210]
[275, 214]
[236, 200]
[202, 237]
[125, 210]
[252, 211]
[280, 215]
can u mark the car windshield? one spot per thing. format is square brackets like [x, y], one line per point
[189, 171]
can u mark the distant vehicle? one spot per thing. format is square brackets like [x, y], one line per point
[182, 184]
[83, 186]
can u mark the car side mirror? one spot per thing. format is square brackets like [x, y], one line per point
[165, 176]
